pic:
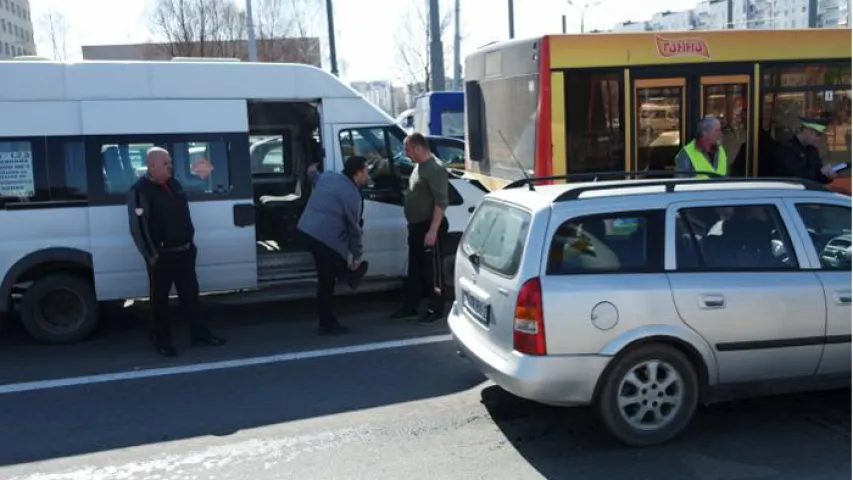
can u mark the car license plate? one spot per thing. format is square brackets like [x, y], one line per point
[478, 308]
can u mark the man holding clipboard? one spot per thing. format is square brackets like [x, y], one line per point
[800, 157]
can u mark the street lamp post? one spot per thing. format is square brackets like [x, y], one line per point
[511, 11]
[583, 8]
[250, 33]
[333, 54]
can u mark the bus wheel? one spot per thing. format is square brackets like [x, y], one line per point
[60, 309]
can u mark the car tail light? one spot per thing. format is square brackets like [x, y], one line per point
[528, 335]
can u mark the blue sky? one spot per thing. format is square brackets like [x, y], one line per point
[368, 29]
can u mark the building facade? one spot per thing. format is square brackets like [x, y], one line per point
[16, 29]
[284, 50]
[383, 94]
[758, 14]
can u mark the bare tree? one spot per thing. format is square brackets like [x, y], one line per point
[299, 20]
[56, 28]
[217, 28]
[413, 45]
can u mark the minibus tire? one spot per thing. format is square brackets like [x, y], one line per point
[665, 357]
[54, 296]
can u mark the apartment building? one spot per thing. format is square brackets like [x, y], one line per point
[16, 29]
[758, 14]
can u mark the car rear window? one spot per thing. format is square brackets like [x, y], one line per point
[497, 233]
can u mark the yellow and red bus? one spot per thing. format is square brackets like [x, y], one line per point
[561, 104]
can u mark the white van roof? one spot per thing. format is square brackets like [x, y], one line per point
[39, 80]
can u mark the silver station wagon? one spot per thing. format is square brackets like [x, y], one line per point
[646, 297]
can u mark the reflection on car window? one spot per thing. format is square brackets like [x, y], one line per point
[829, 229]
[598, 244]
[743, 237]
[497, 234]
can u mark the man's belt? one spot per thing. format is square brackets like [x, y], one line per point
[178, 249]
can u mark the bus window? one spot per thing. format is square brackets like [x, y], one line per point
[822, 90]
[728, 101]
[595, 139]
[659, 131]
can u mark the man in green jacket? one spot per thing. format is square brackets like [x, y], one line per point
[425, 203]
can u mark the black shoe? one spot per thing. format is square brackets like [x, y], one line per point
[354, 277]
[166, 350]
[208, 339]
[430, 317]
[404, 313]
[332, 329]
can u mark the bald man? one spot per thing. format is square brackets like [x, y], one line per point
[163, 231]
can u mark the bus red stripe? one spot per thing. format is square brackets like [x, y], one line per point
[543, 165]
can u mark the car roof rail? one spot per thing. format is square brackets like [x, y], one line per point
[670, 185]
[609, 175]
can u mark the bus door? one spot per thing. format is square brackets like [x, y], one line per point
[667, 110]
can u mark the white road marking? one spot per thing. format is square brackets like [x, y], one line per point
[221, 365]
[216, 461]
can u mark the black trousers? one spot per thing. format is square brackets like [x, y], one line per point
[178, 269]
[425, 267]
[330, 266]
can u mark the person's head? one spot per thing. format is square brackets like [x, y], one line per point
[811, 130]
[709, 130]
[159, 164]
[356, 169]
[416, 147]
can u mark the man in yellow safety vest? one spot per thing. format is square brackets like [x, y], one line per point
[705, 154]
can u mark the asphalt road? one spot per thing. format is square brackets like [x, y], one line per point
[416, 412]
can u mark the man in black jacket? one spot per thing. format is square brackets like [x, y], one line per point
[163, 231]
[800, 157]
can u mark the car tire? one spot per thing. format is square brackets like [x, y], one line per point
[60, 309]
[669, 400]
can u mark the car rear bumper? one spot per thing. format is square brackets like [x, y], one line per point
[553, 380]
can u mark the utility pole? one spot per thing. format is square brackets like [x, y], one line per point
[730, 13]
[812, 13]
[250, 31]
[457, 47]
[436, 50]
[511, 20]
[333, 55]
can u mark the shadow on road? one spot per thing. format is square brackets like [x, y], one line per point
[791, 436]
[65, 422]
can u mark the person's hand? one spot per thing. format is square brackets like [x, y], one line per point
[828, 172]
[354, 264]
[312, 169]
[429, 239]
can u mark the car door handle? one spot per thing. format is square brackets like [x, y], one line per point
[712, 301]
[503, 292]
[842, 297]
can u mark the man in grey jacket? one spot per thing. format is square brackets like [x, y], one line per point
[332, 225]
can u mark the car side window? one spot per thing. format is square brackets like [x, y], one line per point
[829, 230]
[385, 161]
[732, 238]
[450, 154]
[625, 242]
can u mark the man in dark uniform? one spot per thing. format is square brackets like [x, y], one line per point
[425, 202]
[800, 157]
[163, 231]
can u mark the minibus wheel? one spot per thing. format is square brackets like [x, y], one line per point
[59, 309]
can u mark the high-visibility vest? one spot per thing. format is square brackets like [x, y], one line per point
[700, 161]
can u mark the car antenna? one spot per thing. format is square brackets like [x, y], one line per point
[518, 162]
